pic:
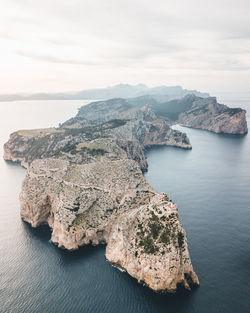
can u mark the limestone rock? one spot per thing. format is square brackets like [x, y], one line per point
[150, 244]
[85, 180]
[203, 113]
[112, 140]
[110, 202]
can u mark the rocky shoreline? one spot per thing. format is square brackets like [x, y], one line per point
[85, 180]
[110, 202]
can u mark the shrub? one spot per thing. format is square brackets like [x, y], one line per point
[165, 236]
[148, 245]
[180, 239]
[155, 229]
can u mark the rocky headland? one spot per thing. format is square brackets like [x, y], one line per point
[109, 130]
[190, 111]
[110, 202]
[85, 180]
[203, 113]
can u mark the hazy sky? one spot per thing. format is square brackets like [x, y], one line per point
[59, 45]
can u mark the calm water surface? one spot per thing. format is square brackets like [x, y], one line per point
[210, 184]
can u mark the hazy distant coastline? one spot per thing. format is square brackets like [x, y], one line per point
[163, 93]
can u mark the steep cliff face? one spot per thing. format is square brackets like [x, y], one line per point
[229, 121]
[191, 111]
[150, 244]
[85, 181]
[110, 202]
[203, 113]
[79, 201]
[112, 140]
[26, 145]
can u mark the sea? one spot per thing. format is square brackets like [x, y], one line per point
[211, 186]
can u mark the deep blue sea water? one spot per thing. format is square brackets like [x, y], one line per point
[210, 184]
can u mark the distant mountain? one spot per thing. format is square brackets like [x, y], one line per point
[160, 93]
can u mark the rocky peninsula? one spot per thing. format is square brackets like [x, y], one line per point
[203, 113]
[85, 180]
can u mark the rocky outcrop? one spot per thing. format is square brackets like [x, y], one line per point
[191, 111]
[26, 145]
[112, 140]
[228, 121]
[79, 201]
[110, 202]
[203, 113]
[85, 181]
[102, 111]
[150, 244]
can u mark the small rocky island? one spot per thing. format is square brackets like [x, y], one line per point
[85, 180]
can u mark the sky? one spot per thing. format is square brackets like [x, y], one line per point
[66, 45]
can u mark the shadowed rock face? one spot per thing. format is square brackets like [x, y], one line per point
[86, 142]
[203, 113]
[190, 111]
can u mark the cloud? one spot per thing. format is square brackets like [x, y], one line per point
[117, 40]
[54, 59]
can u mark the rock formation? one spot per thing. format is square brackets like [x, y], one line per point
[191, 111]
[150, 244]
[203, 113]
[110, 202]
[96, 137]
[85, 181]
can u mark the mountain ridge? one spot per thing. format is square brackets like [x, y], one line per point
[162, 93]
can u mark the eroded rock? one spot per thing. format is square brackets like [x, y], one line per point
[110, 202]
[85, 181]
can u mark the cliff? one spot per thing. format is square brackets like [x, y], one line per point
[203, 113]
[150, 244]
[85, 181]
[100, 139]
[110, 202]
[191, 111]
